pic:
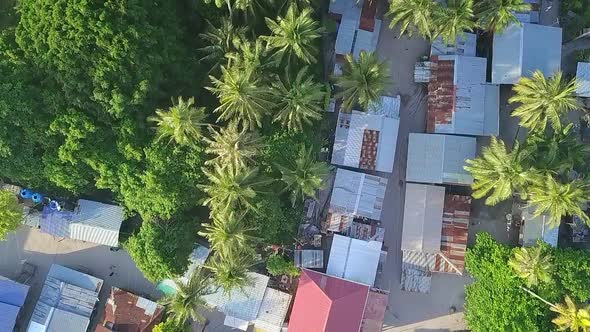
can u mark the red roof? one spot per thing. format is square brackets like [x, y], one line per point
[441, 94]
[327, 304]
[127, 312]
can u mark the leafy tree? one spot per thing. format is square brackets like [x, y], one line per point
[304, 176]
[231, 269]
[532, 265]
[275, 221]
[232, 189]
[220, 41]
[559, 199]
[161, 249]
[11, 213]
[572, 267]
[233, 147]
[413, 16]
[280, 148]
[169, 326]
[454, 19]
[187, 303]
[543, 100]
[242, 97]
[181, 123]
[294, 36]
[277, 265]
[229, 233]
[571, 317]
[499, 172]
[363, 81]
[496, 15]
[299, 101]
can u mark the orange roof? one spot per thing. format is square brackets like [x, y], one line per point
[454, 234]
[127, 312]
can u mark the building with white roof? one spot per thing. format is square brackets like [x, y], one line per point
[66, 302]
[354, 195]
[354, 260]
[583, 79]
[273, 311]
[466, 45]
[434, 158]
[367, 140]
[423, 213]
[12, 298]
[538, 228]
[460, 101]
[522, 49]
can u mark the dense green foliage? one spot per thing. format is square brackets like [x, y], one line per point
[188, 303]
[169, 326]
[575, 17]
[496, 302]
[278, 265]
[11, 213]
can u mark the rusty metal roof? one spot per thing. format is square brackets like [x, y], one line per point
[455, 226]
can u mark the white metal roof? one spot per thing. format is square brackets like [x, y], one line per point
[241, 303]
[423, 214]
[466, 45]
[583, 79]
[434, 158]
[345, 36]
[354, 259]
[522, 49]
[273, 311]
[358, 194]
[343, 7]
[538, 228]
[366, 40]
[97, 223]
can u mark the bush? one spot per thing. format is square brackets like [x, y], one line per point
[277, 265]
[169, 326]
[11, 213]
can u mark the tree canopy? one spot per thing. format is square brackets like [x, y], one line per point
[11, 213]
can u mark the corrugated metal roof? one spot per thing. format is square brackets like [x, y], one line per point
[466, 45]
[455, 225]
[583, 79]
[273, 311]
[423, 214]
[346, 35]
[353, 259]
[538, 228]
[97, 223]
[8, 315]
[13, 293]
[434, 158]
[342, 7]
[520, 50]
[358, 194]
[74, 277]
[309, 258]
[374, 312]
[62, 320]
[241, 303]
[416, 271]
[367, 40]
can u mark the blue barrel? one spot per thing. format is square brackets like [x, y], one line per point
[54, 206]
[26, 193]
[37, 198]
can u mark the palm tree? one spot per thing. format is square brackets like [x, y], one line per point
[231, 269]
[188, 301]
[228, 232]
[220, 41]
[298, 101]
[454, 19]
[532, 265]
[250, 57]
[543, 100]
[362, 81]
[304, 176]
[559, 199]
[232, 188]
[496, 15]
[570, 316]
[233, 147]
[241, 96]
[499, 172]
[182, 122]
[413, 16]
[294, 36]
[559, 152]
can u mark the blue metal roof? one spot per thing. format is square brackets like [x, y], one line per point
[12, 292]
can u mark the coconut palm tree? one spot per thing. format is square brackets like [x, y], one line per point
[570, 317]
[413, 16]
[231, 269]
[298, 101]
[250, 57]
[532, 265]
[363, 81]
[559, 152]
[499, 172]
[242, 97]
[453, 20]
[559, 199]
[496, 15]
[294, 37]
[181, 123]
[543, 100]
[188, 301]
[232, 146]
[228, 232]
[220, 41]
[304, 176]
[232, 188]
